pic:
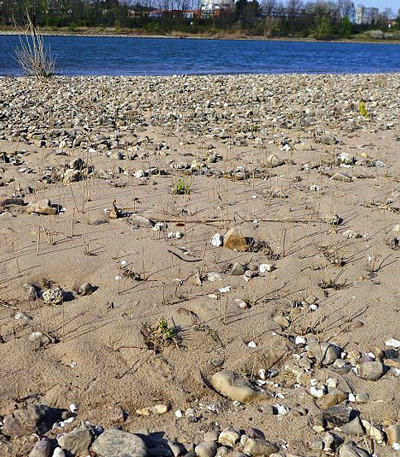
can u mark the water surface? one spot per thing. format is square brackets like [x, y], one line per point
[161, 56]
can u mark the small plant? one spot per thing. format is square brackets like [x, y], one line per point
[363, 109]
[167, 333]
[32, 55]
[182, 187]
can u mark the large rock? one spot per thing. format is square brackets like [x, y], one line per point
[234, 386]
[235, 241]
[32, 419]
[352, 450]
[261, 448]
[325, 353]
[42, 207]
[116, 443]
[372, 370]
[42, 448]
[393, 434]
[206, 449]
[77, 442]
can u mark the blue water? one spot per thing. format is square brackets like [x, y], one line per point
[159, 56]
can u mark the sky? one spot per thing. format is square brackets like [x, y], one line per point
[381, 4]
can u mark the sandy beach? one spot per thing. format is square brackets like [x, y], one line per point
[157, 231]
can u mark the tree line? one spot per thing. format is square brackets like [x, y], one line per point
[316, 18]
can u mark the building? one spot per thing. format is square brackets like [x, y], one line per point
[214, 7]
[366, 15]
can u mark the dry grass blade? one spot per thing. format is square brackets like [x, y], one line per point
[32, 55]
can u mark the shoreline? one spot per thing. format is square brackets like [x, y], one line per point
[97, 34]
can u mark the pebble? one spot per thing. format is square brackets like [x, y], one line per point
[352, 450]
[237, 269]
[38, 337]
[325, 353]
[259, 448]
[42, 448]
[217, 240]
[86, 289]
[58, 452]
[372, 370]
[234, 386]
[393, 434]
[274, 161]
[354, 427]
[77, 441]
[42, 207]
[206, 449]
[235, 241]
[229, 437]
[54, 296]
[153, 410]
[116, 443]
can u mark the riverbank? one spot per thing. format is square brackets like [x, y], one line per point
[156, 232]
[114, 33]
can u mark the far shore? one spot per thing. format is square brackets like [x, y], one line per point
[112, 33]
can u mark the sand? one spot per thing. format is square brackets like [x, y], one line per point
[105, 352]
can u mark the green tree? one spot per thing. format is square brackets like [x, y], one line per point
[323, 29]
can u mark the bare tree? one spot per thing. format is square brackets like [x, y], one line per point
[294, 8]
[269, 6]
[344, 7]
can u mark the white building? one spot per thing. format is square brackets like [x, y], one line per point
[366, 15]
[214, 7]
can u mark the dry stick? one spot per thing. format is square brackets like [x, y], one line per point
[38, 241]
[208, 221]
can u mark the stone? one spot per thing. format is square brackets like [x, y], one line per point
[362, 397]
[58, 452]
[354, 427]
[211, 436]
[340, 366]
[266, 268]
[255, 433]
[372, 370]
[38, 337]
[54, 296]
[235, 241]
[343, 177]
[116, 443]
[229, 437]
[234, 386]
[325, 353]
[346, 158]
[141, 222]
[332, 398]
[222, 451]
[42, 448]
[332, 219]
[373, 431]
[237, 269]
[393, 434]
[206, 449]
[217, 240]
[76, 442]
[86, 289]
[274, 161]
[260, 448]
[42, 207]
[352, 234]
[153, 410]
[328, 140]
[352, 450]
[339, 415]
[32, 419]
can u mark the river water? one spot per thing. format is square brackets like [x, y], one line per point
[162, 56]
